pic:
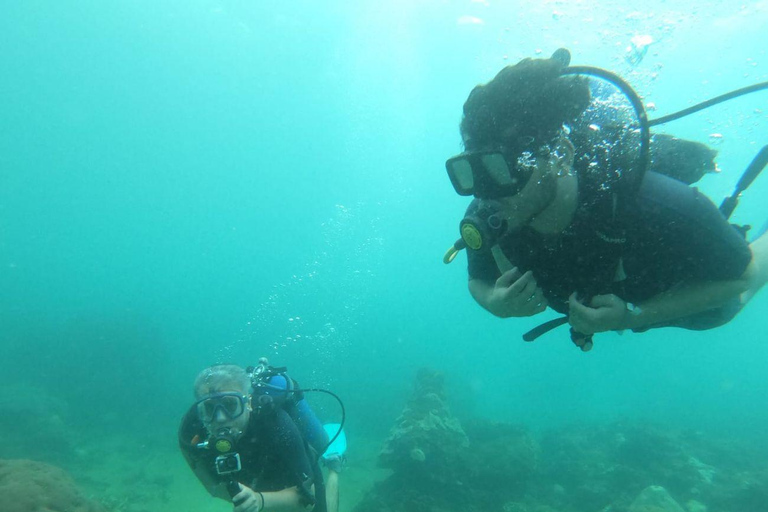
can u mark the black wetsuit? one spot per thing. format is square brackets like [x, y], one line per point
[273, 454]
[674, 236]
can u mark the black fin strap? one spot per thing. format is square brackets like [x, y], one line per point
[544, 328]
[753, 170]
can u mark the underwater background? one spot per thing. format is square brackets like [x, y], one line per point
[184, 183]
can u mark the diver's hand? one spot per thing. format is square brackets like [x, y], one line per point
[247, 500]
[604, 313]
[515, 294]
[334, 462]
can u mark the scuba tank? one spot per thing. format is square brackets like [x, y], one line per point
[273, 388]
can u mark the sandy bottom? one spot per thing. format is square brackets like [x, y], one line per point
[129, 477]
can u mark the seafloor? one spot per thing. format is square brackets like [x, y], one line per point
[429, 462]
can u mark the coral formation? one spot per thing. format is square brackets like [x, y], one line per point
[655, 499]
[441, 465]
[28, 486]
[426, 442]
[607, 467]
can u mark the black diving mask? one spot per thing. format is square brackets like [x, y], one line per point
[230, 404]
[490, 174]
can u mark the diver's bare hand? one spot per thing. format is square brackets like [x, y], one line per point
[515, 294]
[604, 313]
[247, 500]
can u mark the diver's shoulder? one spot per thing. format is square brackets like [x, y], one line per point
[668, 200]
[190, 428]
[662, 189]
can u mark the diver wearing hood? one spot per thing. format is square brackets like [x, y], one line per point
[566, 217]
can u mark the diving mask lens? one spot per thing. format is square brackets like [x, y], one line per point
[231, 405]
[497, 169]
[487, 174]
[460, 171]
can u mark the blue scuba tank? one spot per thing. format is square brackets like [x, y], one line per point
[279, 390]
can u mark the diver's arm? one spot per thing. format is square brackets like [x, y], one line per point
[332, 491]
[512, 295]
[685, 301]
[757, 272]
[696, 234]
[610, 313]
[482, 291]
[696, 298]
[285, 500]
[212, 484]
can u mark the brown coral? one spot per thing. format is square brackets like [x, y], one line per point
[29, 486]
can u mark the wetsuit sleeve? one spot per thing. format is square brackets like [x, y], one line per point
[481, 265]
[191, 432]
[189, 436]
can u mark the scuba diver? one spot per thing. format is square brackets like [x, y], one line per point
[579, 209]
[252, 439]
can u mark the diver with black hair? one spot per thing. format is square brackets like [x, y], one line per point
[581, 211]
[252, 439]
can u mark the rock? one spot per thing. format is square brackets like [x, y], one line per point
[706, 471]
[418, 455]
[28, 486]
[695, 506]
[655, 499]
[502, 456]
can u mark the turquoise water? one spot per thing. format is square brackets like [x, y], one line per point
[191, 182]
